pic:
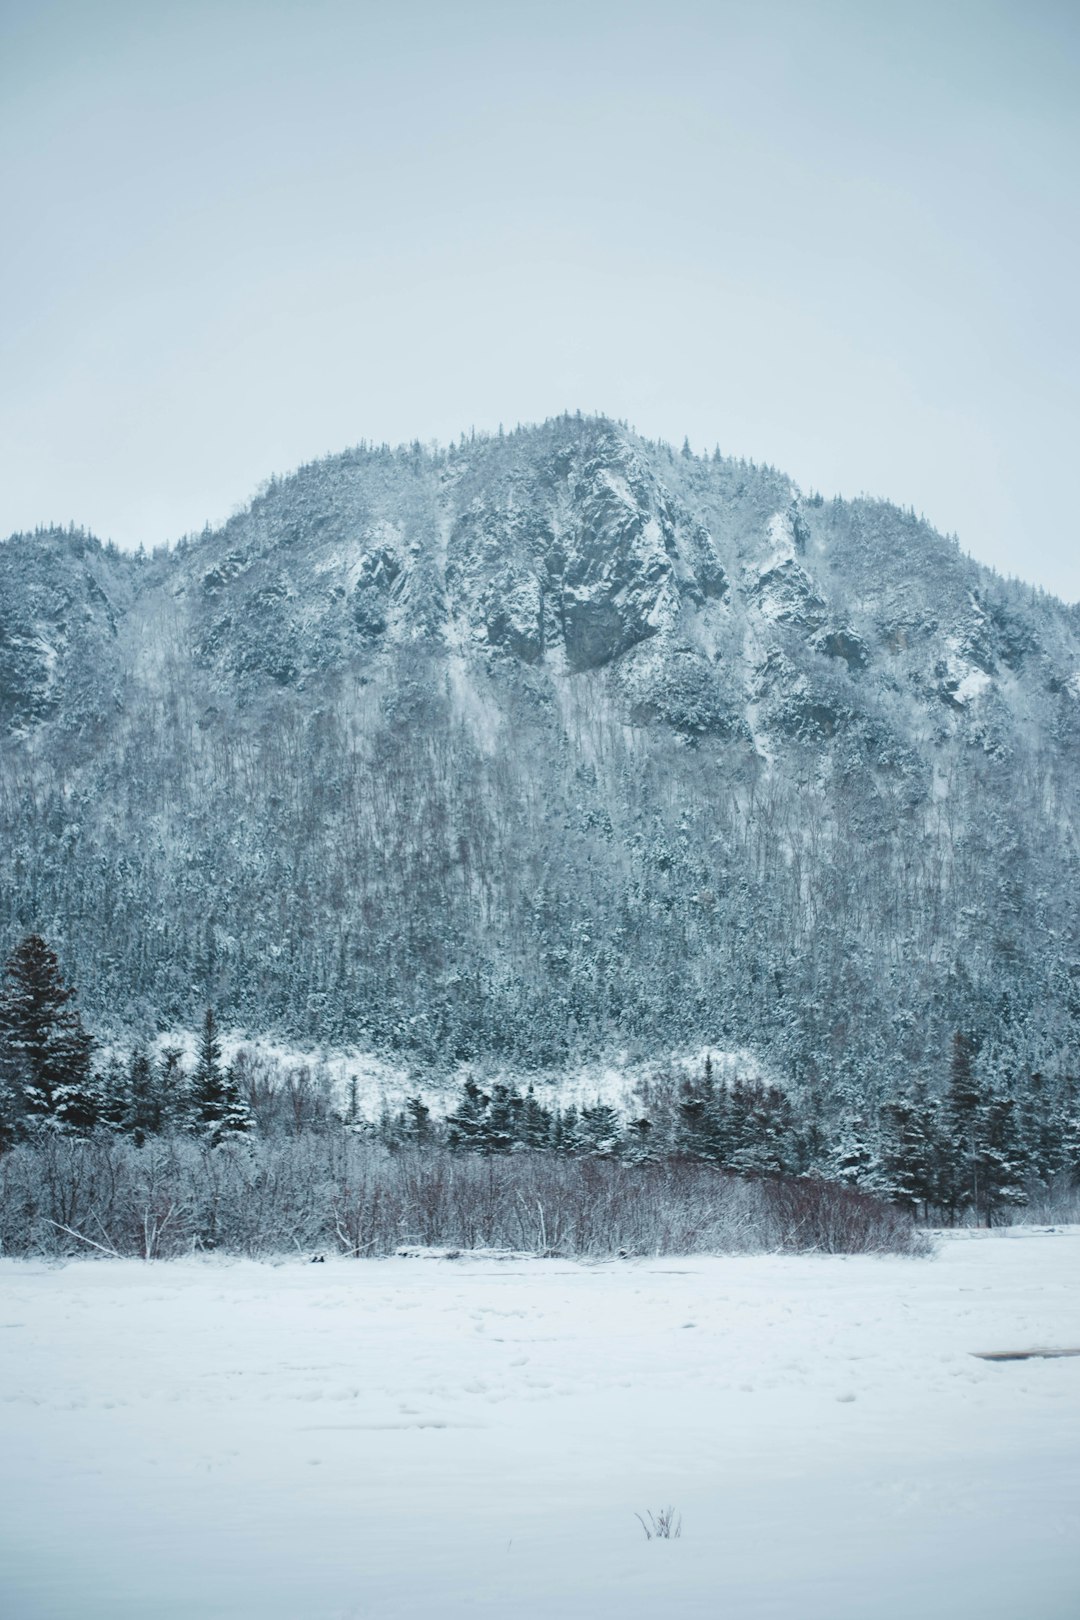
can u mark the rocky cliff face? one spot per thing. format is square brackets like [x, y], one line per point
[546, 743]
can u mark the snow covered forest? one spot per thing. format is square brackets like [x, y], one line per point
[547, 746]
[151, 1158]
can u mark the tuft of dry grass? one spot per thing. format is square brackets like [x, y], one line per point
[665, 1525]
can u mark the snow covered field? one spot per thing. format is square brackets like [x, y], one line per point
[210, 1440]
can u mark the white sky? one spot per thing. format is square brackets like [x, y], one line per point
[837, 235]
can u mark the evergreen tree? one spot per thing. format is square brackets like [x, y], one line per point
[173, 1086]
[45, 1052]
[1001, 1164]
[960, 1157]
[1040, 1127]
[854, 1159]
[911, 1161]
[814, 1149]
[698, 1132]
[218, 1111]
[112, 1094]
[79, 1100]
[1070, 1143]
[534, 1125]
[639, 1143]
[763, 1136]
[144, 1104]
[467, 1124]
[502, 1125]
[418, 1130]
[564, 1130]
[11, 1114]
[599, 1132]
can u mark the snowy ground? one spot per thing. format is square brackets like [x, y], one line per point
[382, 1084]
[209, 1440]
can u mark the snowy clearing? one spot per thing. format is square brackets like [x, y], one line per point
[211, 1440]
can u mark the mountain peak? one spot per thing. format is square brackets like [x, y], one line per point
[544, 741]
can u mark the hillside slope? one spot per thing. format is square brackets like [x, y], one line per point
[544, 746]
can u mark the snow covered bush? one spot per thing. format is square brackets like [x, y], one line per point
[174, 1195]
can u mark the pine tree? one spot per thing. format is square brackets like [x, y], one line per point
[466, 1125]
[911, 1160]
[419, 1130]
[44, 1050]
[599, 1132]
[763, 1137]
[11, 1114]
[1070, 1141]
[218, 1110]
[534, 1126]
[639, 1143]
[854, 1160]
[697, 1127]
[144, 1104]
[564, 1130]
[112, 1094]
[963, 1102]
[1040, 1128]
[173, 1086]
[501, 1129]
[1001, 1164]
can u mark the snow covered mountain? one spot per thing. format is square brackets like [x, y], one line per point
[548, 745]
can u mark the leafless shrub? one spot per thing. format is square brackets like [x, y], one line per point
[326, 1191]
[808, 1213]
[1053, 1203]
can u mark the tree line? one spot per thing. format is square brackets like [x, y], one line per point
[973, 1151]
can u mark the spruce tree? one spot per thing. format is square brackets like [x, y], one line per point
[763, 1134]
[1040, 1128]
[501, 1129]
[419, 1130]
[144, 1105]
[912, 1150]
[10, 1114]
[112, 1086]
[697, 1129]
[534, 1125]
[963, 1103]
[854, 1159]
[466, 1125]
[1070, 1143]
[564, 1130]
[599, 1132]
[1001, 1163]
[218, 1110]
[173, 1086]
[639, 1146]
[44, 1049]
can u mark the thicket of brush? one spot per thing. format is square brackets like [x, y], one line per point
[62, 1195]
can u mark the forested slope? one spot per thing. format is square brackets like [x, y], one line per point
[545, 746]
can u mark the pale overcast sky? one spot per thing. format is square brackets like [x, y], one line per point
[840, 237]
